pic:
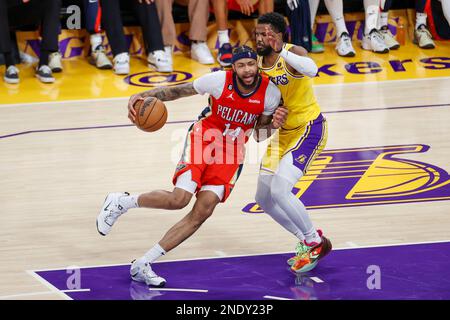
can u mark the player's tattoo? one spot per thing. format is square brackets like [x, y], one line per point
[171, 93]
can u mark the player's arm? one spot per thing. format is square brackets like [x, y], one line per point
[268, 124]
[296, 57]
[163, 94]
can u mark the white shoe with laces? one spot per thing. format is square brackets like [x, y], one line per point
[374, 42]
[388, 38]
[99, 58]
[142, 272]
[201, 53]
[54, 62]
[159, 60]
[110, 212]
[122, 63]
[344, 46]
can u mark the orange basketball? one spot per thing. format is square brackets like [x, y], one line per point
[151, 114]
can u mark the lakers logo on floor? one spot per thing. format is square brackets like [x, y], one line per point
[369, 176]
[153, 78]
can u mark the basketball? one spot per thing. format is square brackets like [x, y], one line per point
[151, 114]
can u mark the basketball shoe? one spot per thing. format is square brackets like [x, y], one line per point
[317, 47]
[54, 62]
[314, 252]
[110, 212]
[344, 46]
[423, 38]
[159, 61]
[388, 38]
[225, 54]
[300, 249]
[122, 63]
[142, 272]
[374, 41]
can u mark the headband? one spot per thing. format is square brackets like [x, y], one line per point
[242, 55]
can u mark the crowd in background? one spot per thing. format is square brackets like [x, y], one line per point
[158, 30]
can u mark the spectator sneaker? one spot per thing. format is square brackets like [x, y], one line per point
[11, 75]
[344, 46]
[200, 52]
[374, 42]
[317, 47]
[44, 74]
[159, 60]
[122, 63]
[388, 38]
[54, 62]
[423, 38]
[99, 58]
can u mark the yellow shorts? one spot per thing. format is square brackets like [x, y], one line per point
[305, 143]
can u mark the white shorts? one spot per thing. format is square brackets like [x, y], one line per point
[184, 181]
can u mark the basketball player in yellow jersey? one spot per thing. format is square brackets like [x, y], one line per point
[296, 144]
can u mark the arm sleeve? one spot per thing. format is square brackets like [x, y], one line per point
[211, 83]
[304, 65]
[272, 99]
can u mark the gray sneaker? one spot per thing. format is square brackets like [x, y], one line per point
[11, 75]
[44, 74]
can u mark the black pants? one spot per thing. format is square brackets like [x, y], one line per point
[148, 19]
[44, 13]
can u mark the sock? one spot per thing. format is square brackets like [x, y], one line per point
[153, 254]
[313, 6]
[265, 201]
[129, 202]
[312, 237]
[336, 10]
[372, 10]
[384, 19]
[223, 37]
[421, 18]
[96, 40]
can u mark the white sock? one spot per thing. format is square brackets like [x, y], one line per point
[153, 254]
[421, 18]
[96, 40]
[312, 236]
[384, 19]
[223, 37]
[372, 9]
[129, 202]
[336, 10]
[313, 6]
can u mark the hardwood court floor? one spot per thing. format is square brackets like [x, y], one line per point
[59, 160]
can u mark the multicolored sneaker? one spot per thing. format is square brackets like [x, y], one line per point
[317, 47]
[309, 260]
[225, 54]
[300, 249]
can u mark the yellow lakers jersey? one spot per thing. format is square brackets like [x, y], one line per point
[296, 92]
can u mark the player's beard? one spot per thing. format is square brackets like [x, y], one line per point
[265, 51]
[248, 86]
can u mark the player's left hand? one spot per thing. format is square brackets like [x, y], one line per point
[131, 112]
[275, 39]
[279, 117]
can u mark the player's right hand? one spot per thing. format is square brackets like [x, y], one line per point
[131, 112]
[279, 117]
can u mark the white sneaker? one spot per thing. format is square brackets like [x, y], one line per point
[99, 58]
[122, 63]
[200, 52]
[54, 62]
[159, 60]
[388, 38]
[11, 75]
[344, 46]
[142, 272]
[110, 212]
[168, 51]
[423, 38]
[374, 42]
